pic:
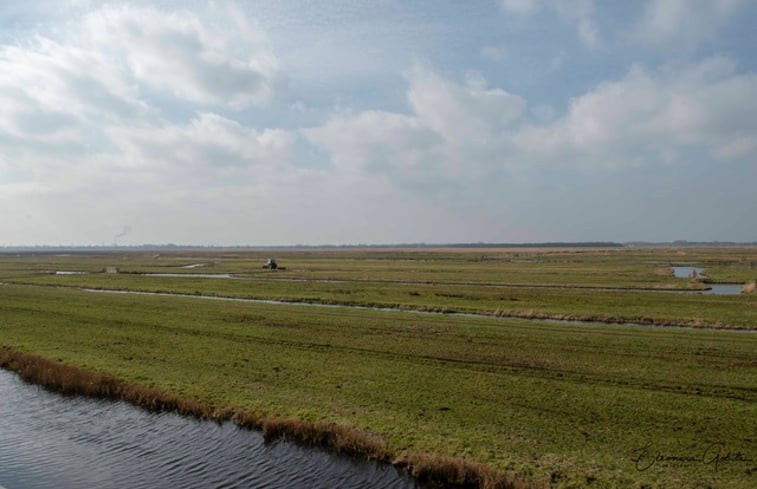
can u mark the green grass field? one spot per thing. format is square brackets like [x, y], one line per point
[538, 298]
[575, 405]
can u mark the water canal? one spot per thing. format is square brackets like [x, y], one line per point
[51, 441]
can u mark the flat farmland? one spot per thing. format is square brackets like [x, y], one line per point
[563, 404]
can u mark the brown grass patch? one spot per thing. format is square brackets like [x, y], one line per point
[332, 436]
[442, 471]
[749, 287]
[606, 318]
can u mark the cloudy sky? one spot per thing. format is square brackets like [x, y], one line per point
[377, 121]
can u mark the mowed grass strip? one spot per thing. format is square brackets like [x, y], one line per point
[572, 404]
[665, 308]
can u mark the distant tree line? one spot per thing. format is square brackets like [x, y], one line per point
[176, 247]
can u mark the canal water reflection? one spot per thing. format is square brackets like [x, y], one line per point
[52, 441]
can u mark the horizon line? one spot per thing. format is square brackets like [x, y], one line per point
[543, 244]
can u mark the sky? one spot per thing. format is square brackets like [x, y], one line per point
[377, 121]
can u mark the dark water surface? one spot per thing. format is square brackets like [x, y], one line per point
[51, 441]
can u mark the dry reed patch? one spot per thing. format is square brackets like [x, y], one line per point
[444, 471]
[331, 436]
[749, 287]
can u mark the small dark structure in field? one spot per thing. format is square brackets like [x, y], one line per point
[271, 264]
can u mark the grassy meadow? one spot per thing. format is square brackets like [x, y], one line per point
[564, 404]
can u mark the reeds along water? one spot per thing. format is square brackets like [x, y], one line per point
[441, 471]
[434, 470]
[49, 441]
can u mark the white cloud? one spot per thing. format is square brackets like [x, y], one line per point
[48, 86]
[59, 96]
[653, 116]
[459, 134]
[179, 53]
[683, 23]
[204, 181]
[83, 136]
[126, 116]
[208, 143]
[577, 12]
[463, 114]
[373, 140]
[104, 63]
[452, 134]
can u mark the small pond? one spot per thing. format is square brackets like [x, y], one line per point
[716, 289]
